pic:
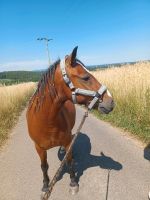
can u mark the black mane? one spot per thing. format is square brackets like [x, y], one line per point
[47, 79]
[48, 75]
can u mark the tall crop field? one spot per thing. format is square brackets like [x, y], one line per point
[12, 100]
[130, 86]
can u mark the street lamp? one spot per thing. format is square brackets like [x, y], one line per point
[47, 49]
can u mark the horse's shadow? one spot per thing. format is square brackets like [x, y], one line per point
[147, 152]
[84, 160]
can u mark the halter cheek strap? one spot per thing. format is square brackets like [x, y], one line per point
[67, 80]
[75, 91]
[65, 76]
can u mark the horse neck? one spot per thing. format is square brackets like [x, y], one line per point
[52, 98]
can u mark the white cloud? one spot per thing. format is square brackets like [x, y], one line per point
[24, 65]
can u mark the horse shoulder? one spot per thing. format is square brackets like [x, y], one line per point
[69, 113]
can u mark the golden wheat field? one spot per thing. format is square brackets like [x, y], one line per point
[130, 85]
[127, 79]
[12, 100]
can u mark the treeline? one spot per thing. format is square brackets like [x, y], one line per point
[12, 77]
[105, 66]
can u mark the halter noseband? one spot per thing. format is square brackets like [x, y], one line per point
[75, 91]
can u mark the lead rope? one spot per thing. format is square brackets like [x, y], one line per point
[54, 180]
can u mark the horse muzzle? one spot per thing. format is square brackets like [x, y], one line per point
[106, 107]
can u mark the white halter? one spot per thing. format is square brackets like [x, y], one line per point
[75, 91]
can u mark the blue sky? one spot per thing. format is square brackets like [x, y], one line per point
[106, 31]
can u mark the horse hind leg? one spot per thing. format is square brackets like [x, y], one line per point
[74, 187]
[44, 166]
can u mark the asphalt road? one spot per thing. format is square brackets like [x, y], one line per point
[109, 165]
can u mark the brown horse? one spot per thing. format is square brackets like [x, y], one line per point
[51, 112]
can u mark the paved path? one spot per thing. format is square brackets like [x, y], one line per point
[110, 166]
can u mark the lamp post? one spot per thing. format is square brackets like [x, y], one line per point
[47, 49]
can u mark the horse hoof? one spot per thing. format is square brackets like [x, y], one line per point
[62, 150]
[74, 189]
[42, 195]
[45, 189]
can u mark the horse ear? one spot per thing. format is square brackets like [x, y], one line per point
[73, 55]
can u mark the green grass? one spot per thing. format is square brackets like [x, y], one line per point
[131, 115]
[7, 82]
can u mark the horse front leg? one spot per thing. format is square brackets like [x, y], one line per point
[44, 166]
[74, 187]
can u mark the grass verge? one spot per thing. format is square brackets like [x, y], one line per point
[130, 86]
[13, 99]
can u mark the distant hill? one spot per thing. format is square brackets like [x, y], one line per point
[104, 66]
[12, 77]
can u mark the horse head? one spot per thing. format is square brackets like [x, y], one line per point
[82, 86]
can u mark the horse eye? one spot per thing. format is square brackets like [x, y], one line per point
[86, 78]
